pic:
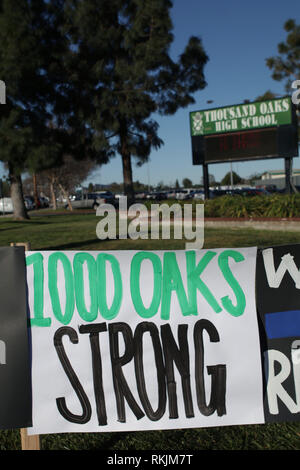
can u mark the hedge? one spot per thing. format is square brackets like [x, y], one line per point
[276, 205]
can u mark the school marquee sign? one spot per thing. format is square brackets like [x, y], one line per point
[246, 116]
[258, 130]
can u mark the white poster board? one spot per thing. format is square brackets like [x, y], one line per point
[129, 340]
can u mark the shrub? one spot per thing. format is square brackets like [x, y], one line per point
[277, 205]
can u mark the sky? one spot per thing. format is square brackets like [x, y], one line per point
[237, 36]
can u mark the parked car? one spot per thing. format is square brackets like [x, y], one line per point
[171, 194]
[6, 205]
[156, 196]
[44, 202]
[103, 197]
[231, 192]
[183, 194]
[199, 194]
[271, 188]
[141, 195]
[254, 192]
[29, 203]
[91, 200]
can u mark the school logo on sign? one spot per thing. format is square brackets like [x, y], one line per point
[198, 123]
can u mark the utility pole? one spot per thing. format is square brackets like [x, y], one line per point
[288, 185]
[205, 181]
[148, 176]
[231, 176]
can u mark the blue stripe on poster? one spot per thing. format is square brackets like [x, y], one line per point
[283, 324]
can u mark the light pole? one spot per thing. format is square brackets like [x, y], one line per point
[148, 175]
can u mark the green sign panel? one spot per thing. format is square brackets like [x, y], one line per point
[261, 114]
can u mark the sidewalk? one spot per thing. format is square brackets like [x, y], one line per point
[259, 223]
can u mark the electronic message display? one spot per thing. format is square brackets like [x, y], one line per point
[252, 143]
[264, 129]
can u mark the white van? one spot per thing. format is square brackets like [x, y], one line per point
[6, 205]
[186, 193]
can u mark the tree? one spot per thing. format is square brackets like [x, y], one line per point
[4, 188]
[84, 77]
[211, 180]
[253, 177]
[160, 185]
[66, 177]
[286, 65]
[91, 187]
[226, 181]
[121, 59]
[35, 127]
[187, 183]
[29, 47]
[268, 95]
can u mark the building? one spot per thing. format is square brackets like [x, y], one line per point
[277, 178]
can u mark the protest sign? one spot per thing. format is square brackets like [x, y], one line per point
[278, 306]
[15, 379]
[128, 340]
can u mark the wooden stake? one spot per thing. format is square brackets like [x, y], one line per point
[28, 442]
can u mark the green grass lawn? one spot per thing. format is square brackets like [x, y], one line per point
[78, 232]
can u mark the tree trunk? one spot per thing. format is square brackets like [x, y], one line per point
[35, 191]
[66, 195]
[52, 193]
[126, 163]
[16, 191]
[127, 177]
